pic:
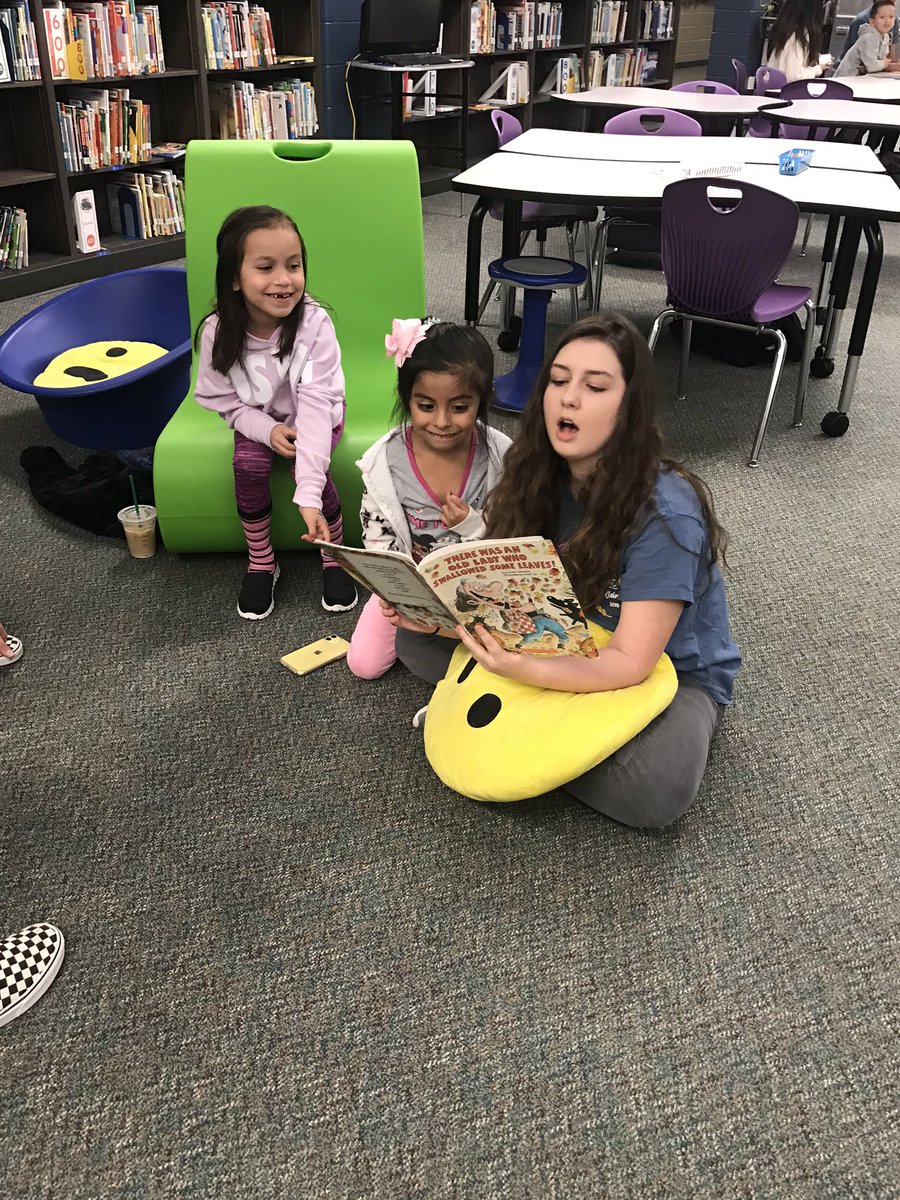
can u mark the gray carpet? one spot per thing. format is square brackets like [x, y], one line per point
[298, 966]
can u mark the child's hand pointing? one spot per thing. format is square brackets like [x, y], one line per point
[316, 524]
[454, 510]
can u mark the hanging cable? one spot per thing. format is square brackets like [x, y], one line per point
[349, 97]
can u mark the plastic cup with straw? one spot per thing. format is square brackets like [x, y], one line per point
[139, 526]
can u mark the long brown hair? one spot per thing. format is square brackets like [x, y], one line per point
[618, 499]
[231, 332]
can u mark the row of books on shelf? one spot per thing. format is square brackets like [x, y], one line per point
[608, 21]
[496, 28]
[146, 204]
[657, 20]
[283, 110]
[627, 68]
[18, 45]
[90, 41]
[510, 85]
[237, 35]
[104, 128]
[13, 239]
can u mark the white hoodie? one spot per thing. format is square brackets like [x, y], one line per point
[384, 522]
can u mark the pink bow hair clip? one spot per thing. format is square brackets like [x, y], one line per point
[403, 338]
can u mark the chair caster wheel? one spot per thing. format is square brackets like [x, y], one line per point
[508, 339]
[835, 424]
[821, 367]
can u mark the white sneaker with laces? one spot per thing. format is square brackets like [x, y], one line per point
[29, 962]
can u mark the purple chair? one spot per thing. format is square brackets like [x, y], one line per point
[537, 218]
[723, 244]
[715, 126]
[740, 76]
[704, 85]
[812, 89]
[636, 229]
[664, 122]
[768, 79]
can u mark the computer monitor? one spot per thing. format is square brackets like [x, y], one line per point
[399, 26]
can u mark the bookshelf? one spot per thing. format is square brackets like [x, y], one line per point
[33, 172]
[440, 139]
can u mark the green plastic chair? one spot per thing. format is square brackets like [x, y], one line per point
[358, 207]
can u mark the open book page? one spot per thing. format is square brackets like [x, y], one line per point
[394, 577]
[518, 589]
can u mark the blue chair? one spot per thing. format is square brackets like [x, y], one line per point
[539, 277]
[125, 412]
[537, 218]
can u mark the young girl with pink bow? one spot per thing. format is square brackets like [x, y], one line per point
[425, 482]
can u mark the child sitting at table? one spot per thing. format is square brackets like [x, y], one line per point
[871, 51]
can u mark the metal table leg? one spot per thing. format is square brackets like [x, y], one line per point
[835, 424]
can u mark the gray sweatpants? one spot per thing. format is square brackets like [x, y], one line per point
[651, 780]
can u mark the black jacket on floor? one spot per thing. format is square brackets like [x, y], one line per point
[89, 496]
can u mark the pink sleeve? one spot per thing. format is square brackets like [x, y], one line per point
[214, 391]
[320, 406]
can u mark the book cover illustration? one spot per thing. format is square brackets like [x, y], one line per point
[517, 589]
[394, 577]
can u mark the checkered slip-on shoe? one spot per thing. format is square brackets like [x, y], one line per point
[15, 644]
[29, 962]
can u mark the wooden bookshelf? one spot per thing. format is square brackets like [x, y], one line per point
[33, 174]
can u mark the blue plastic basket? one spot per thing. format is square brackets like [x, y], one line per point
[792, 162]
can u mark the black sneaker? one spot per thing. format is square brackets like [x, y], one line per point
[338, 590]
[257, 598]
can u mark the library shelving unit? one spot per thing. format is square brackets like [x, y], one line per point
[33, 174]
[440, 139]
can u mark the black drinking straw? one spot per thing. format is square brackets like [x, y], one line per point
[137, 507]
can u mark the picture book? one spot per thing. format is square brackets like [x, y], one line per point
[517, 588]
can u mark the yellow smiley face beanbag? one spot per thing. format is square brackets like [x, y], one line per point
[491, 738]
[96, 362]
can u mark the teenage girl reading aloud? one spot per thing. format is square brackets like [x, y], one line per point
[425, 482]
[270, 365]
[641, 543]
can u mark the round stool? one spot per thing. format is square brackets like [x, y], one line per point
[538, 277]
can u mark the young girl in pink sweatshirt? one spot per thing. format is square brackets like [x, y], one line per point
[270, 365]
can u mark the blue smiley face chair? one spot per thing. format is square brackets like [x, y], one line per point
[493, 739]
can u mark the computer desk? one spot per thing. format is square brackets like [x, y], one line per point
[600, 179]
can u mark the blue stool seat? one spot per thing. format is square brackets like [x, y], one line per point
[539, 277]
[125, 412]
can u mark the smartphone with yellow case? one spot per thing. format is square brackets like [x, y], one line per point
[316, 654]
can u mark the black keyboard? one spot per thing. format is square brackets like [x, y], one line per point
[410, 60]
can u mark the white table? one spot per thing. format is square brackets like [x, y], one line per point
[882, 86]
[707, 151]
[695, 103]
[835, 114]
[861, 198]
[604, 181]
